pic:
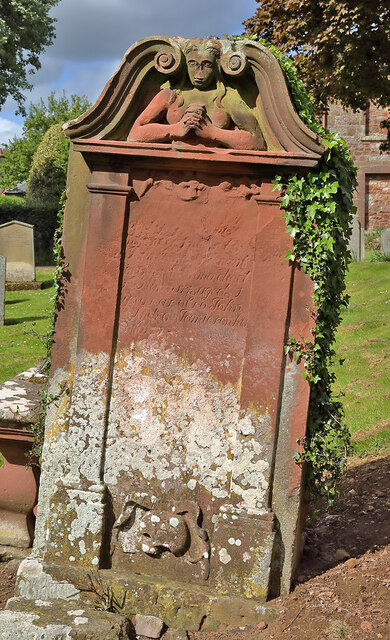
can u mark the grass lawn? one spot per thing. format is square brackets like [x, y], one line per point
[26, 313]
[363, 340]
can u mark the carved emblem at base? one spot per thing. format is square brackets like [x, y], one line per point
[175, 530]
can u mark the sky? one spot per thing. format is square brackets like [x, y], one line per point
[93, 35]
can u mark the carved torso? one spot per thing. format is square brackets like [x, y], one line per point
[178, 103]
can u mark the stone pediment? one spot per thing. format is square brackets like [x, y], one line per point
[154, 86]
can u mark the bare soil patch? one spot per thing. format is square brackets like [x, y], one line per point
[362, 434]
[343, 586]
[351, 327]
[7, 581]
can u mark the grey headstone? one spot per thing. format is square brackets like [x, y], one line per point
[17, 245]
[356, 241]
[3, 263]
[385, 242]
[20, 398]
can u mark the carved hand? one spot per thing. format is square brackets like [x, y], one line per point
[182, 128]
[195, 116]
[193, 121]
[208, 130]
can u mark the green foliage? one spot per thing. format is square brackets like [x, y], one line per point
[317, 210]
[25, 30]
[341, 48]
[38, 428]
[373, 246]
[16, 163]
[47, 177]
[1, 460]
[34, 455]
[59, 276]
[19, 153]
[378, 256]
[57, 109]
[385, 146]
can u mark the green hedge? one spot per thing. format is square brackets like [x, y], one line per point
[47, 177]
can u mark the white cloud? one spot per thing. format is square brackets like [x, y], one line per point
[87, 29]
[93, 35]
[8, 129]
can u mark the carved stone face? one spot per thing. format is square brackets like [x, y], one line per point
[201, 69]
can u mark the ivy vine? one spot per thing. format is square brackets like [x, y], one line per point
[318, 209]
[34, 455]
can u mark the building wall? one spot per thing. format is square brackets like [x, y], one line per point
[363, 135]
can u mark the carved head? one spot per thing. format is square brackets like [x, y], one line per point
[202, 57]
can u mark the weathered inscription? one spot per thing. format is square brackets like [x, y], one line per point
[163, 285]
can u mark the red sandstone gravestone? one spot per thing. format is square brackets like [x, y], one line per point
[169, 462]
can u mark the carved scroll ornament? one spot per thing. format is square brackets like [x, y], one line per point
[156, 531]
[209, 92]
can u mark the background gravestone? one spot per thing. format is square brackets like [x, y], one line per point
[3, 263]
[168, 464]
[356, 241]
[385, 242]
[17, 245]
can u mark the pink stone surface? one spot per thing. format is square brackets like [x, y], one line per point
[171, 454]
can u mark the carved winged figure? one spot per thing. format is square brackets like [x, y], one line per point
[202, 109]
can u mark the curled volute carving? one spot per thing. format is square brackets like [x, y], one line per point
[233, 64]
[169, 60]
[209, 92]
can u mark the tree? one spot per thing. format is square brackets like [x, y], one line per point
[47, 177]
[341, 47]
[25, 30]
[19, 153]
[16, 163]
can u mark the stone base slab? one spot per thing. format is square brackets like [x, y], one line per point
[185, 606]
[60, 620]
[179, 605]
[23, 286]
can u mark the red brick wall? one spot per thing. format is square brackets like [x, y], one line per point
[349, 125]
[378, 200]
[363, 135]
[374, 118]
